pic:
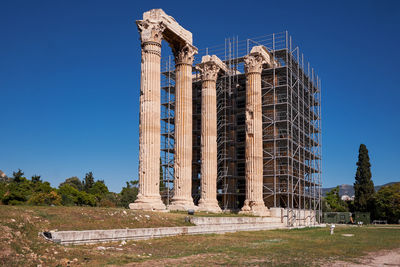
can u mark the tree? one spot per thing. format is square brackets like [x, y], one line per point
[99, 190]
[74, 182]
[109, 200]
[387, 201]
[17, 192]
[51, 198]
[40, 187]
[85, 199]
[18, 176]
[43, 193]
[68, 194]
[324, 205]
[3, 189]
[128, 194]
[71, 196]
[36, 178]
[88, 182]
[334, 202]
[363, 186]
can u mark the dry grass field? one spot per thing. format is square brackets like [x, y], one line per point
[20, 244]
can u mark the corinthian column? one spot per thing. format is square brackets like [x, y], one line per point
[182, 199]
[149, 126]
[254, 202]
[209, 69]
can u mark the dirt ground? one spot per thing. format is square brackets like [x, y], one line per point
[20, 244]
[380, 258]
[182, 261]
[374, 259]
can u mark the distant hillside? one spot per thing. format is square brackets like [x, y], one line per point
[379, 186]
[346, 189]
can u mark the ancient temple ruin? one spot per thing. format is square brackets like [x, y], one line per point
[235, 127]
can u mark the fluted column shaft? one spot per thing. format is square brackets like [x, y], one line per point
[149, 125]
[149, 129]
[208, 142]
[182, 199]
[183, 132]
[209, 73]
[254, 202]
[254, 145]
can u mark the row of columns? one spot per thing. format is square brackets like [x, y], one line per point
[151, 34]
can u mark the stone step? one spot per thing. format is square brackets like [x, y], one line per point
[98, 236]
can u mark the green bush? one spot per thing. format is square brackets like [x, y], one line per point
[17, 193]
[387, 203]
[40, 187]
[51, 198]
[3, 189]
[68, 194]
[333, 202]
[128, 194]
[109, 200]
[71, 196]
[99, 190]
[85, 199]
[73, 181]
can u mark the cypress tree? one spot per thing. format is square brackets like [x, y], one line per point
[363, 186]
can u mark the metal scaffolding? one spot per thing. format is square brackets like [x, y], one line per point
[167, 128]
[291, 104]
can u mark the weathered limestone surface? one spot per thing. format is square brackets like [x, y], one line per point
[173, 31]
[182, 199]
[149, 128]
[262, 51]
[209, 68]
[155, 26]
[98, 236]
[204, 225]
[234, 220]
[254, 202]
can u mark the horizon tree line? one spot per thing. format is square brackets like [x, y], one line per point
[18, 190]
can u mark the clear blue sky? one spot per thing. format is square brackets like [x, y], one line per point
[69, 79]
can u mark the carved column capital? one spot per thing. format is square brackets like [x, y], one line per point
[209, 71]
[184, 54]
[253, 63]
[150, 31]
